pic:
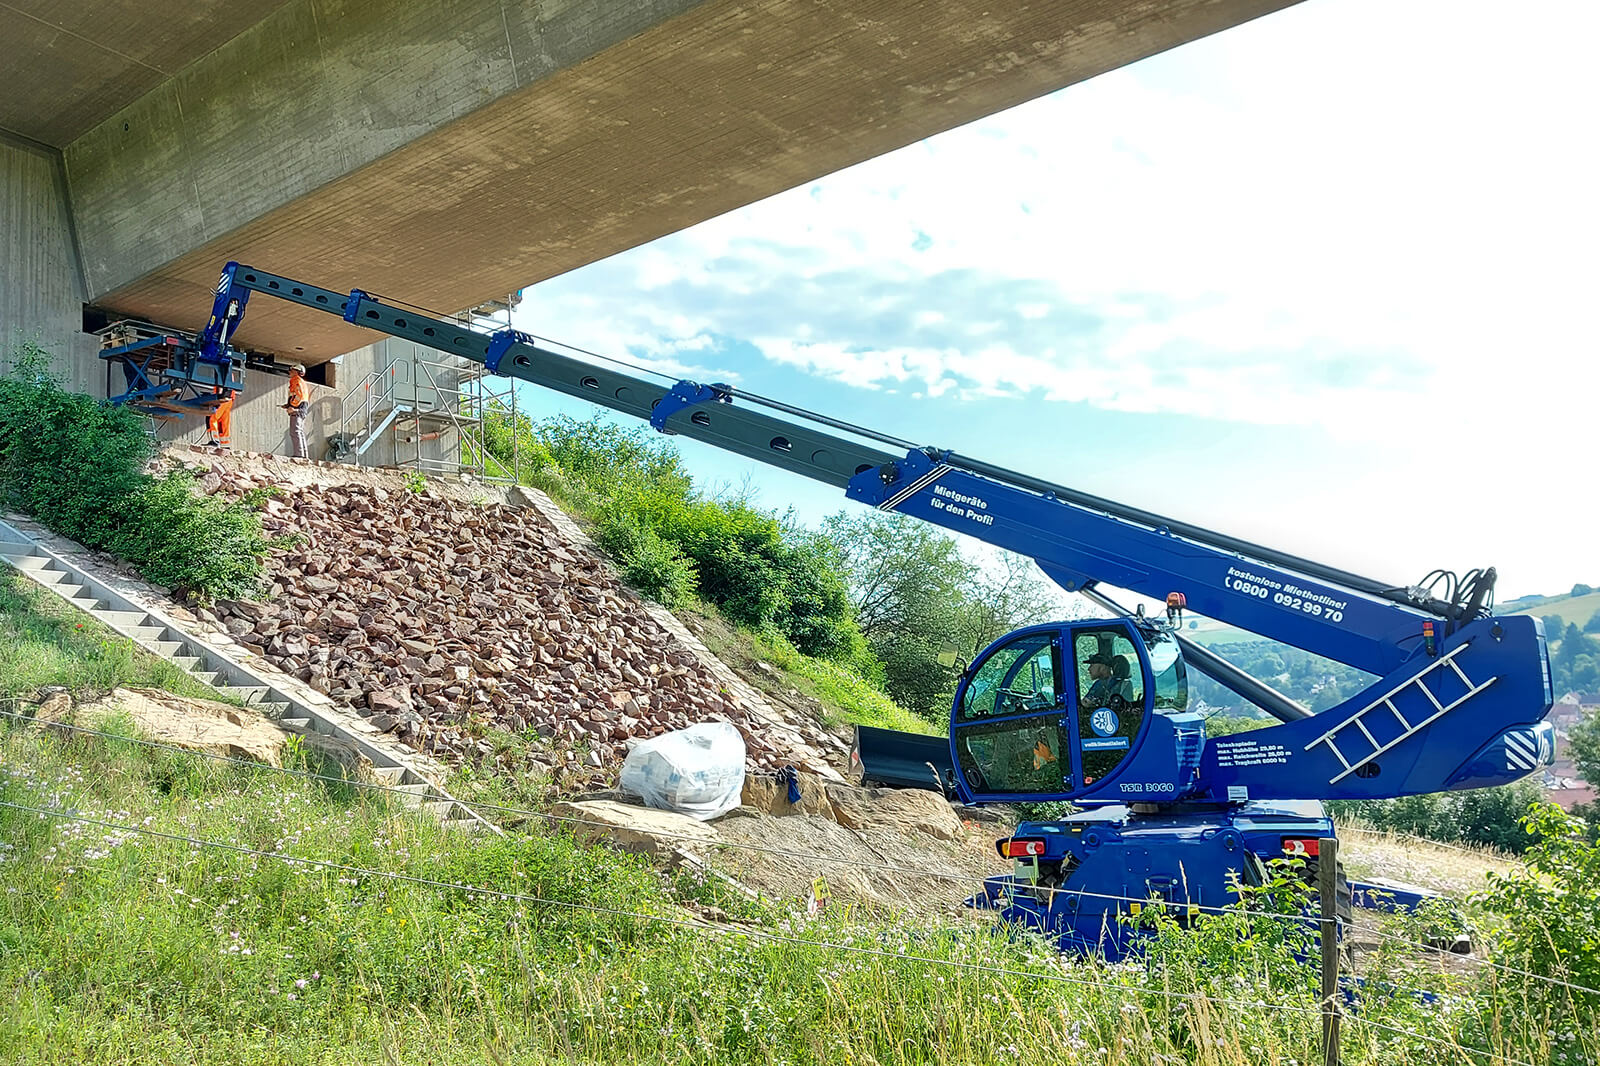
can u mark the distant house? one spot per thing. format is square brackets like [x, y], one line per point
[1566, 715]
[1570, 796]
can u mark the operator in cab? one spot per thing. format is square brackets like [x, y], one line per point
[1099, 691]
[1111, 683]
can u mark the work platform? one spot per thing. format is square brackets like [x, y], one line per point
[163, 374]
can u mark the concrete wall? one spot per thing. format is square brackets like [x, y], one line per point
[41, 288]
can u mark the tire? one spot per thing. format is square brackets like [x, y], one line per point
[1343, 901]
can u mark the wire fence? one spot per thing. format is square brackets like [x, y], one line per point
[616, 912]
[696, 925]
[815, 859]
[701, 927]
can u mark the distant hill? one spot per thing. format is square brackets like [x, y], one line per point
[1574, 610]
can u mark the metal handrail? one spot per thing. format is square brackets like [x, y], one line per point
[372, 401]
[463, 402]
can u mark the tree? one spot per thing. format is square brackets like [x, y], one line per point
[1593, 624]
[917, 598]
[1575, 645]
[908, 584]
[1585, 741]
[904, 575]
[1007, 595]
[1581, 590]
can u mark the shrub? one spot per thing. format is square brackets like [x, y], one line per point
[649, 563]
[1548, 943]
[185, 541]
[77, 465]
[605, 456]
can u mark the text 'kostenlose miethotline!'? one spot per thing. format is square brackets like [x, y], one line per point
[1286, 594]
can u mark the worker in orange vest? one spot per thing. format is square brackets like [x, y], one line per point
[299, 401]
[219, 423]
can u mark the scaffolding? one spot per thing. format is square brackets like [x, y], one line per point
[436, 411]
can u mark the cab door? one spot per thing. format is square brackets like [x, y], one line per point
[1109, 703]
[1009, 729]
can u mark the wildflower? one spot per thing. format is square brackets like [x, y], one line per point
[300, 983]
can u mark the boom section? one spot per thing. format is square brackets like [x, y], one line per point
[1077, 546]
[1078, 540]
[794, 447]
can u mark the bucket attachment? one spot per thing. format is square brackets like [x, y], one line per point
[894, 759]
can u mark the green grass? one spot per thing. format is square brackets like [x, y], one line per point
[1574, 610]
[119, 947]
[845, 697]
[45, 642]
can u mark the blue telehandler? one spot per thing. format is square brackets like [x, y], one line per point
[1095, 712]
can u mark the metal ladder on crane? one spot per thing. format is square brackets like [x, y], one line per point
[1386, 703]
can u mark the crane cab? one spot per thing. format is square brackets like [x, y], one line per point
[1081, 711]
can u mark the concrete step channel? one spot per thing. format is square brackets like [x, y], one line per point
[147, 627]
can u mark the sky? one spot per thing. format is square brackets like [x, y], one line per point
[1325, 281]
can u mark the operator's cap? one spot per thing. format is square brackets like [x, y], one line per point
[297, 368]
[1099, 659]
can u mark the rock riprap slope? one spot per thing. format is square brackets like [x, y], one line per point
[434, 617]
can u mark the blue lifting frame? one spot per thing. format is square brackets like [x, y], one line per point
[166, 378]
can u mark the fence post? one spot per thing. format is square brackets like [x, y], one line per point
[1327, 883]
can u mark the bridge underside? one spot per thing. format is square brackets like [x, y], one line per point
[449, 154]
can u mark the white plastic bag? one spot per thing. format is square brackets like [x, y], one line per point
[698, 771]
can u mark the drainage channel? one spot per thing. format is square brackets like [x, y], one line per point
[160, 635]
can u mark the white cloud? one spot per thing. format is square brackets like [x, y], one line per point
[1373, 218]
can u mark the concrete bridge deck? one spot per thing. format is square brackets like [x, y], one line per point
[452, 152]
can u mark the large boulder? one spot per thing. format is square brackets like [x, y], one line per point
[770, 793]
[199, 725]
[660, 834]
[898, 810]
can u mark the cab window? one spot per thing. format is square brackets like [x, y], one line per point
[1110, 690]
[1015, 679]
[1172, 679]
[1022, 757]
[1108, 669]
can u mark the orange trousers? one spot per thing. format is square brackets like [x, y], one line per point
[219, 423]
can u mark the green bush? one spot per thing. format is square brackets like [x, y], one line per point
[673, 543]
[605, 456]
[762, 574]
[77, 465]
[184, 541]
[1547, 946]
[649, 563]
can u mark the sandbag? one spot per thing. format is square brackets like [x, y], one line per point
[698, 771]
